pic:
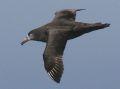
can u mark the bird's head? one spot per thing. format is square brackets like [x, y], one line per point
[68, 14]
[29, 37]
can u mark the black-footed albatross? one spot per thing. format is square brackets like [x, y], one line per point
[55, 34]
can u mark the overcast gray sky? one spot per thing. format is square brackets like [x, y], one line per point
[91, 61]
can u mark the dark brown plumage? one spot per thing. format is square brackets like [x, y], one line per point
[55, 34]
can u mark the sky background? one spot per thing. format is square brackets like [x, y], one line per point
[91, 61]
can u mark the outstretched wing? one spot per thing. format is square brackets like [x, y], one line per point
[53, 54]
[86, 27]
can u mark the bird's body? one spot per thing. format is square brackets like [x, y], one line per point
[55, 34]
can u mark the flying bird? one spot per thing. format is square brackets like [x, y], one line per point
[55, 34]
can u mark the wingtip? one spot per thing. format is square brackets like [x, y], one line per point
[107, 24]
[56, 69]
[56, 80]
